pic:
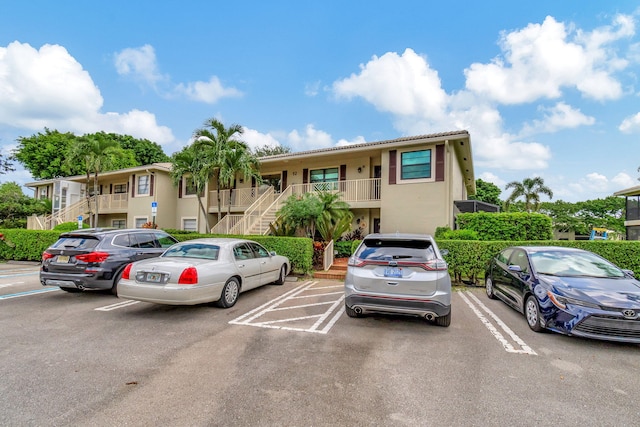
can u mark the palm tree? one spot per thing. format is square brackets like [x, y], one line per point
[95, 154]
[215, 139]
[335, 218]
[530, 189]
[237, 159]
[192, 164]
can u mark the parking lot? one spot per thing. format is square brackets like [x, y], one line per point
[289, 355]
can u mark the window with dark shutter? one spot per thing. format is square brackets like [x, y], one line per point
[392, 167]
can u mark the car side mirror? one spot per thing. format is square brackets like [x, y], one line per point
[629, 272]
[273, 253]
[444, 252]
[515, 268]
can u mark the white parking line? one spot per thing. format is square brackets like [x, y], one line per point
[256, 317]
[6, 285]
[116, 305]
[524, 348]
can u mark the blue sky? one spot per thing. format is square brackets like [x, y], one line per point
[549, 88]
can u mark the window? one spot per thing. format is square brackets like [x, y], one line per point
[189, 187]
[259, 250]
[119, 223]
[415, 164]
[165, 240]
[189, 224]
[141, 220]
[119, 188]
[242, 251]
[144, 240]
[143, 185]
[43, 192]
[324, 179]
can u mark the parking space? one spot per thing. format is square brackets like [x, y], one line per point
[313, 306]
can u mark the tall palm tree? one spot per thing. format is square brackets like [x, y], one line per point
[530, 189]
[215, 139]
[192, 164]
[235, 160]
[95, 154]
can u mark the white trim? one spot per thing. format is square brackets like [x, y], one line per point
[118, 219]
[148, 193]
[126, 187]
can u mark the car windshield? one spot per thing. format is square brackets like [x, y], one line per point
[193, 250]
[381, 249]
[562, 263]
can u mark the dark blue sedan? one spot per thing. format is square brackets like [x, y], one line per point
[567, 290]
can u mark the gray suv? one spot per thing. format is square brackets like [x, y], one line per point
[401, 274]
[94, 258]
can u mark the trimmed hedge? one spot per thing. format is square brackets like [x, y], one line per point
[28, 245]
[468, 259]
[516, 226]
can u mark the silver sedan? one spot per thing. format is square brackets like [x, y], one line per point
[201, 271]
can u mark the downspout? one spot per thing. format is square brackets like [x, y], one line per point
[448, 184]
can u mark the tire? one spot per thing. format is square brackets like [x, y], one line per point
[532, 314]
[488, 284]
[114, 288]
[281, 276]
[444, 321]
[230, 293]
[350, 311]
[71, 290]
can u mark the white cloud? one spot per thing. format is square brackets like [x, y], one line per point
[623, 180]
[256, 139]
[310, 139]
[47, 87]
[492, 178]
[403, 85]
[312, 89]
[560, 116]
[357, 140]
[630, 124]
[541, 59]
[208, 92]
[139, 63]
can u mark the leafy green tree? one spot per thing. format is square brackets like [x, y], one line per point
[335, 217]
[145, 152]
[270, 150]
[190, 163]
[530, 189]
[214, 139]
[301, 213]
[487, 192]
[15, 206]
[44, 155]
[563, 216]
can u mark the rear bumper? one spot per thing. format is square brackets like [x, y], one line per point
[408, 306]
[80, 281]
[170, 295]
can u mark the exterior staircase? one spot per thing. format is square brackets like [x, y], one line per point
[337, 271]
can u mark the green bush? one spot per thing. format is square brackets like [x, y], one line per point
[68, 226]
[518, 226]
[459, 235]
[343, 248]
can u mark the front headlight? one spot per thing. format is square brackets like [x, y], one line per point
[561, 302]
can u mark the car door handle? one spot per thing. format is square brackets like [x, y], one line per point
[392, 283]
[240, 265]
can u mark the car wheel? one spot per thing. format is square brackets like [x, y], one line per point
[488, 284]
[532, 313]
[230, 293]
[444, 320]
[114, 288]
[71, 290]
[350, 311]
[282, 276]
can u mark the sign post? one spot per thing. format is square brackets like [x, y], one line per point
[79, 221]
[154, 211]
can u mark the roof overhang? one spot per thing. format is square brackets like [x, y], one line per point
[632, 191]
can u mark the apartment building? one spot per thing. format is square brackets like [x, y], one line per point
[409, 184]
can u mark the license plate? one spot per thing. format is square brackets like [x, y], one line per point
[392, 272]
[154, 277]
[62, 258]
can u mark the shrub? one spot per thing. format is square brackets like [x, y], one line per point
[518, 226]
[459, 235]
[68, 226]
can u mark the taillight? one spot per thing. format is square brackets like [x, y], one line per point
[189, 276]
[356, 262]
[434, 265]
[46, 256]
[126, 271]
[93, 257]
